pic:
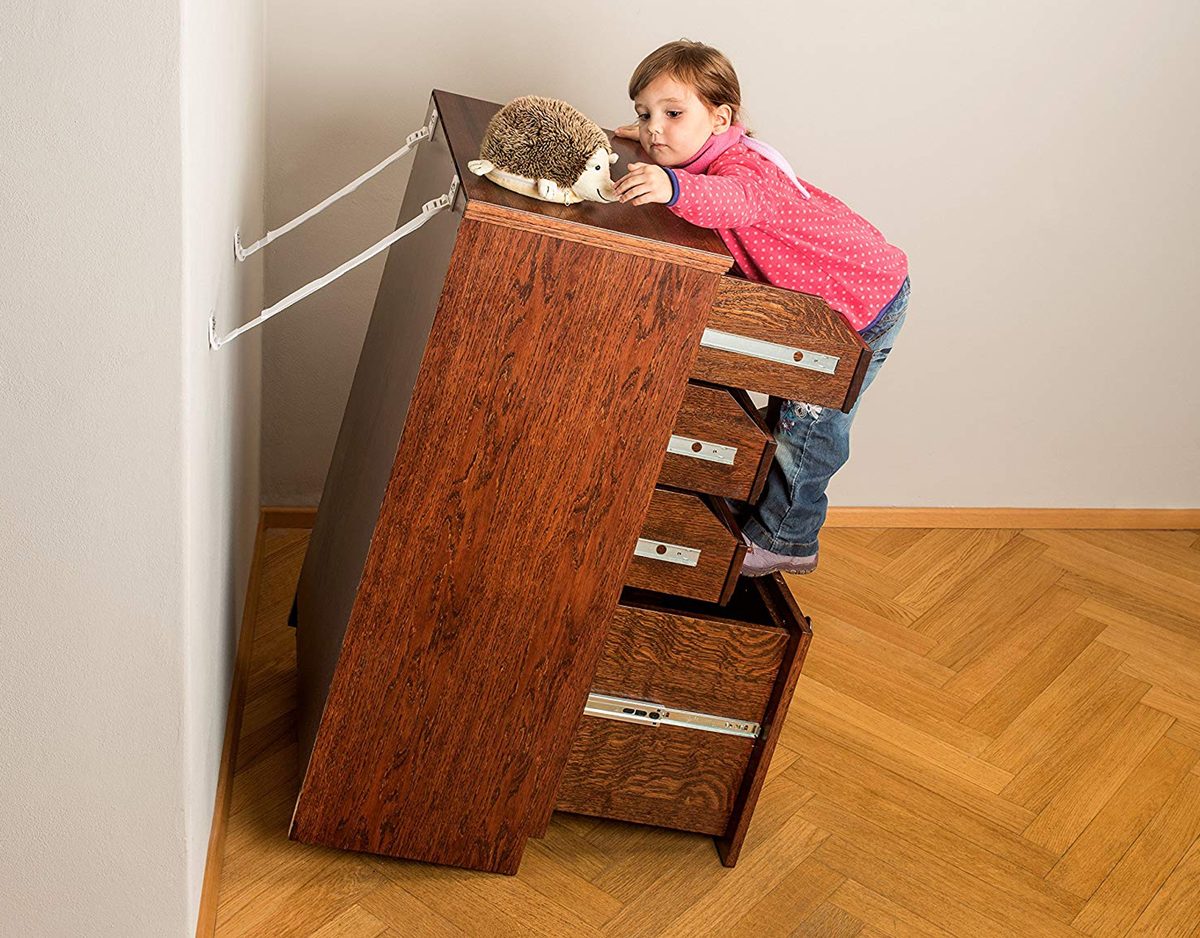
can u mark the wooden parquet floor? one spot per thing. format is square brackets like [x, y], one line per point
[996, 733]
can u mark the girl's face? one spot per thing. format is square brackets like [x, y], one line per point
[673, 124]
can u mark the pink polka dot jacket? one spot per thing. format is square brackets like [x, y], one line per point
[784, 231]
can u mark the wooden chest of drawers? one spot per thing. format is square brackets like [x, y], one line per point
[523, 386]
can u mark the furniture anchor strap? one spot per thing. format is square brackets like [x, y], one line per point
[428, 210]
[412, 140]
[670, 553]
[649, 714]
[702, 449]
[769, 351]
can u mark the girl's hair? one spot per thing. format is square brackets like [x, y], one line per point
[702, 68]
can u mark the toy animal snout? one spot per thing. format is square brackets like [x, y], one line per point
[595, 182]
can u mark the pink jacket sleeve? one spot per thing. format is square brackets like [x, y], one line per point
[735, 196]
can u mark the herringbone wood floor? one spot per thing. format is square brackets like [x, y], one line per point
[996, 733]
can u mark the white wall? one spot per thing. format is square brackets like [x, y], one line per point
[1034, 160]
[224, 153]
[129, 459]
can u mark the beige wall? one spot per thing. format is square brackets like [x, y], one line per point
[224, 154]
[132, 141]
[1035, 160]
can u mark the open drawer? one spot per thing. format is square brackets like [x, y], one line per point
[685, 708]
[780, 342]
[720, 444]
[690, 545]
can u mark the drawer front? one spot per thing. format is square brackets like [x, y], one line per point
[783, 343]
[686, 662]
[720, 445]
[690, 545]
[660, 775]
[696, 657]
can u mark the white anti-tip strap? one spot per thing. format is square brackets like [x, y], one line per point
[428, 210]
[414, 138]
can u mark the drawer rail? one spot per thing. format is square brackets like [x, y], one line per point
[649, 714]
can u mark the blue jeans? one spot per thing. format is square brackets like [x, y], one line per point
[813, 444]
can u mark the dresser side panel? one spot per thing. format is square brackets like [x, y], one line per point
[537, 429]
[375, 414]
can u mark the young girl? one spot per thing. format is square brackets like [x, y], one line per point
[781, 230]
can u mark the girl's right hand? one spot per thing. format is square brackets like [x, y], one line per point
[629, 131]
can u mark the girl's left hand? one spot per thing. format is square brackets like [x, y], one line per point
[645, 182]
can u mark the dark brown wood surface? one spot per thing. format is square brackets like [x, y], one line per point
[366, 445]
[537, 427]
[722, 510]
[686, 655]
[761, 311]
[689, 520]
[650, 229]
[693, 656]
[726, 416]
[787, 614]
[664, 775]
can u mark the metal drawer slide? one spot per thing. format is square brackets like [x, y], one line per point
[649, 714]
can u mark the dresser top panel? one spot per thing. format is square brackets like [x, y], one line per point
[465, 121]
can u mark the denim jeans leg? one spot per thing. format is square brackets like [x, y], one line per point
[812, 444]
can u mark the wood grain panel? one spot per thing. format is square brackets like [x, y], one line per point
[685, 656]
[786, 615]
[461, 676]
[726, 416]
[1117, 904]
[388, 365]
[701, 523]
[668, 776]
[1100, 847]
[760, 311]
[694, 656]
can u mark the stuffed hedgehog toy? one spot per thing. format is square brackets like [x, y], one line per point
[544, 148]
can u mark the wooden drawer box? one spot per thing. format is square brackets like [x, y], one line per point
[720, 444]
[690, 545]
[725, 673]
[783, 343]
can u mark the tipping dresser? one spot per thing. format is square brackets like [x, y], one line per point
[521, 593]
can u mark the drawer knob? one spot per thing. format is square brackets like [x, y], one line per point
[769, 351]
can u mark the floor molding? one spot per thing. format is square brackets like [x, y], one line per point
[206, 920]
[1125, 519]
[285, 516]
[1117, 519]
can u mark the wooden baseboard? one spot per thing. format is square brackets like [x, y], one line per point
[1130, 519]
[289, 517]
[206, 921]
[1144, 519]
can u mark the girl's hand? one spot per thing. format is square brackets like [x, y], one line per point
[645, 182]
[629, 131]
